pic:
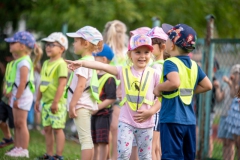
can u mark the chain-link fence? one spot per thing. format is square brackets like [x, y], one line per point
[213, 139]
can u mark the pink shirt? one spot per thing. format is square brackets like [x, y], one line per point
[86, 100]
[126, 114]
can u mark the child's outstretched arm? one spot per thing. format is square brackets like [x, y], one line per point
[172, 83]
[72, 65]
[143, 115]
[203, 86]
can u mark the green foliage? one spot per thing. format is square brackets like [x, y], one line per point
[49, 16]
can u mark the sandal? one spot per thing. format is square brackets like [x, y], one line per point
[5, 142]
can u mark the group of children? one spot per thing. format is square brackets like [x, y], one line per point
[155, 99]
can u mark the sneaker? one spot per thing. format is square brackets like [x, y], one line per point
[56, 157]
[45, 156]
[12, 152]
[21, 153]
[5, 142]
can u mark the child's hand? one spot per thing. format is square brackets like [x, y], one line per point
[226, 79]
[72, 65]
[15, 104]
[54, 107]
[142, 116]
[216, 84]
[94, 112]
[72, 112]
[156, 92]
[36, 106]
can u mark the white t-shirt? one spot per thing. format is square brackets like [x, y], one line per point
[86, 100]
[26, 99]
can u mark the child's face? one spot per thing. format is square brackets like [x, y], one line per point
[235, 77]
[53, 49]
[140, 57]
[78, 46]
[100, 59]
[15, 47]
[156, 50]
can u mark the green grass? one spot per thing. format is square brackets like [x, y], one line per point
[37, 147]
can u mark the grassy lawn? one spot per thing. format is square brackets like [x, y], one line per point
[37, 148]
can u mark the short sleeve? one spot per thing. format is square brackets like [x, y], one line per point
[82, 71]
[62, 70]
[24, 63]
[201, 75]
[110, 88]
[168, 67]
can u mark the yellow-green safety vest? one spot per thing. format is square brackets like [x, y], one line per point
[102, 81]
[47, 77]
[94, 84]
[8, 73]
[136, 88]
[157, 62]
[12, 75]
[188, 79]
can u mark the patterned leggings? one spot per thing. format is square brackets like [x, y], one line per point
[143, 136]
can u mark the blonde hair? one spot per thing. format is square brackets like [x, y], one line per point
[38, 52]
[93, 48]
[114, 35]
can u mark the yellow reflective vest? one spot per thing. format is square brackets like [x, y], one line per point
[8, 74]
[94, 84]
[136, 88]
[102, 81]
[47, 74]
[157, 62]
[12, 76]
[188, 79]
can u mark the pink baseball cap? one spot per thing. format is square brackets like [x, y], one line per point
[141, 30]
[138, 41]
[157, 32]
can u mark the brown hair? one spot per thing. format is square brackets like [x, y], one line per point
[158, 41]
[93, 48]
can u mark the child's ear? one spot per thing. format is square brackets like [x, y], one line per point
[105, 59]
[163, 46]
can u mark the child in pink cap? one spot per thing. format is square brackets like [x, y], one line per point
[138, 81]
[159, 38]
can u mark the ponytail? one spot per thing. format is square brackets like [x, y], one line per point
[38, 52]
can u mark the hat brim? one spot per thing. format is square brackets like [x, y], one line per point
[9, 40]
[149, 46]
[47, 40]
[166, 27]
[73, 35]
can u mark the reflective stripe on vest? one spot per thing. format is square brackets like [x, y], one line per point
[136, 90]
[188, 79]
[13, 73]
[47, 77]
[94, 84]
[102, 82]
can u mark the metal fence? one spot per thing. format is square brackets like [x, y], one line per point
[222, 55]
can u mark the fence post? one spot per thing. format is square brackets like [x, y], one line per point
[156, 22]
[208, 58]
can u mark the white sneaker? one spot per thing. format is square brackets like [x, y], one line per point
[12, 151]
[21, 153]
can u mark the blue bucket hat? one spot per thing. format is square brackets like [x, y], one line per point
[181, 35]
[106, 52]
[22, 37]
